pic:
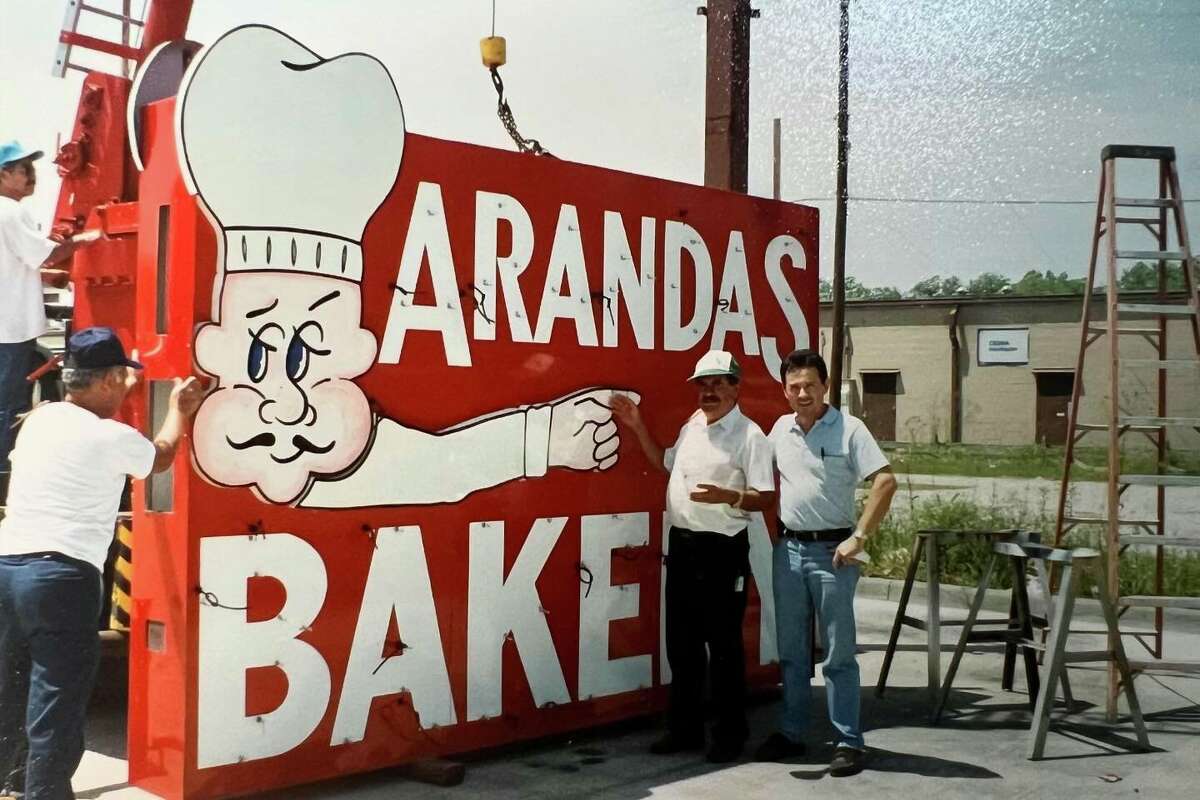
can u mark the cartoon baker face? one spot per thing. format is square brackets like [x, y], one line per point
[290, 155]
[285, 353]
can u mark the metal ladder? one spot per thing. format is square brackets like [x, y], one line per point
[70, 37]
[1158, 215]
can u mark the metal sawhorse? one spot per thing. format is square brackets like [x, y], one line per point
[931, 544]
[1060, 609]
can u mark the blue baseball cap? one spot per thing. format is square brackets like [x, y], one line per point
[97, 348]
[13, 150]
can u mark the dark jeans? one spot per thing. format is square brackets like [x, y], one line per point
[49, 652]
[705, 604]
[15, 392]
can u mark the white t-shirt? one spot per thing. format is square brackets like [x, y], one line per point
[731, 453]
[22, 250]
[68, 471]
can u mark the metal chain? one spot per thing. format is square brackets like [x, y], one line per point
[506, 119]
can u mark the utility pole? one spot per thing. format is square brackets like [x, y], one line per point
[727, 94]
[776, 157]
[839, 223]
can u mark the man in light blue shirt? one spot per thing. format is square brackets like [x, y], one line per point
[821, 455]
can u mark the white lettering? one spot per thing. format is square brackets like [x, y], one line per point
[490, 208]
[781, 247]
[622, 282]
[664, 667]
[735, 306]
[427, 234]
[397, 584]
[760, 570]
[600, 603]
[678, 334]
[229, 646]
[566, 260]
[499, 608]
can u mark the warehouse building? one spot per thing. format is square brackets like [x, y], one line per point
[1000, 370]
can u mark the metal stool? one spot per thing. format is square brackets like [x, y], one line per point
[1059, 608]
[931, 544]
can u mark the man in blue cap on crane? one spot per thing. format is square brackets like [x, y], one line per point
[26, 258]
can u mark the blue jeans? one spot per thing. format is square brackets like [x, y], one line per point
[16, 359]
[805, 579]
[49, 651]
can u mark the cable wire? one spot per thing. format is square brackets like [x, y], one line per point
[958, 201]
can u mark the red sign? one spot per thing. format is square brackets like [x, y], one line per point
[410, 525]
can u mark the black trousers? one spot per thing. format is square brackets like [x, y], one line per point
[705, 604]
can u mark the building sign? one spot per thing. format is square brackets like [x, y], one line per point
[412, 526]
[1003, 346]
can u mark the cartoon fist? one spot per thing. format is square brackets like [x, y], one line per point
[582, 432]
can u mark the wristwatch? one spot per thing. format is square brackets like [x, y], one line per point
[861, 535]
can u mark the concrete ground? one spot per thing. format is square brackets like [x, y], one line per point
[977, 752]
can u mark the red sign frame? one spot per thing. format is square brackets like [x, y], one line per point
[569, 508]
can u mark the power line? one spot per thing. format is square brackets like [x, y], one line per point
[959, 201]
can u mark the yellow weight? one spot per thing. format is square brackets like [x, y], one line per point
[492, 49]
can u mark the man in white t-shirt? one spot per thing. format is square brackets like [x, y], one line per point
[70, 464]
[25, 258]
[720, 468]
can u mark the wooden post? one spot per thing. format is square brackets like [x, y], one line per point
[727, 94]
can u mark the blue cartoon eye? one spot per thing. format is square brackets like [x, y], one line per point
[297, 358]
[256, 360]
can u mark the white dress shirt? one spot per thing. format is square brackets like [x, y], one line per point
[731, 453]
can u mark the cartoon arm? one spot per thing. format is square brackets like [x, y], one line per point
[406, 466]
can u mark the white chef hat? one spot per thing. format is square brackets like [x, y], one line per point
[290, 152]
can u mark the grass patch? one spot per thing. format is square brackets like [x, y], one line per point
[963, 564]
[1027, 461]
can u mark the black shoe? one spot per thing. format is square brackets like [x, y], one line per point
[847, 761]
[671, 743]
[724, 752]
[778, 747]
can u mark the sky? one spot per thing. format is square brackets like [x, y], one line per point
[951, 100]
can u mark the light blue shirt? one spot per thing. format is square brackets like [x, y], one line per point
[819, 471]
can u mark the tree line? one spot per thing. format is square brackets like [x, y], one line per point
[1140, 276]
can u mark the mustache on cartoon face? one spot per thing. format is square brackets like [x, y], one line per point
[267, 439]
[261, 440]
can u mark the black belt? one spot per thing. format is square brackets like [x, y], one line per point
[827, 535]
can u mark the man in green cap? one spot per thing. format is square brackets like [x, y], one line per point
[720, 471]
